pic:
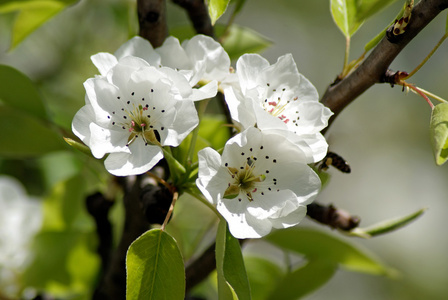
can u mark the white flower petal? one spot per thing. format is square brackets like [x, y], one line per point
[241, 224]
[289, 218]
[186, 120]
[139, 47]
[81, 121]
[209, 166]
[216, 61]
[238, 108]
[104, 141]
[207, 91]
[104, 62]
[248, 67]
[173, 55]
[140, 159]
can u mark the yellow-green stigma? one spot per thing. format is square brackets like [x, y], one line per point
[244, 180]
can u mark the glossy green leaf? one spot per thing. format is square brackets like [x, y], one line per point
[439, 133]
[319, 245]
[367, 8]
[155, 269]
[232, 277]
[264, 276]
[241, 40]
[344, 14]
[25, 136]
[216, 8]
[387, 226]
[31, 14]
[304, 280]
[19, 91]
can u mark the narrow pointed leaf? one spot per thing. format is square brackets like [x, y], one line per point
[232, 277]
[304, 280]
[387, 226]
[319, 245]
[439, 132]
[155, 268]
[216, 8]
[344, 15]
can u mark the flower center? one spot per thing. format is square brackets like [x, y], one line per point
[136, 119]
[277, 105]
[244, 180]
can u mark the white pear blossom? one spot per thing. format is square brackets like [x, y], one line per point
[198, 59]
[20, 220]
[261, 182]
[279, 97]
[132, 110]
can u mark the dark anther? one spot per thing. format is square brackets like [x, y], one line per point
[156, 133]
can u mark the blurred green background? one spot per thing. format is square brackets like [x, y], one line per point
[384, 134]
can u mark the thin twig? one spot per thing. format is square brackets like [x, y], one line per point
[339, 95]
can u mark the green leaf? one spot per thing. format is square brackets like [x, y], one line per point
[64, 264]
[316, 244]
[232, 277]
[344, 14]
[241, 40]
[304, 280]
[19, 91]
[31, 14]
[387, 226]
[367, 8]
[25, 136]
[264, 276]
[155, 269]
[216, 8]
[439, 132]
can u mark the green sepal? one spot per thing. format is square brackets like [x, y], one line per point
[78, 146]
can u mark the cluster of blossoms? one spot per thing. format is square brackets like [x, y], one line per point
[144, 100]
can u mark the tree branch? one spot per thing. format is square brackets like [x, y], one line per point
[113, 283]
[372, 70]
[198, 14]
[152, 21]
